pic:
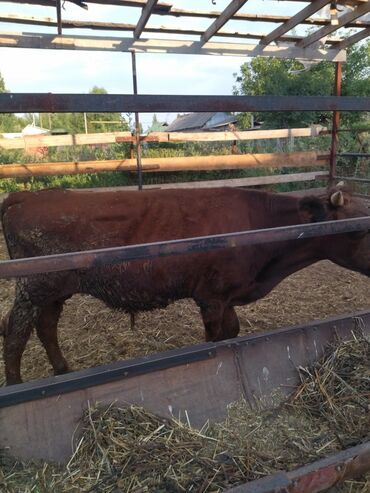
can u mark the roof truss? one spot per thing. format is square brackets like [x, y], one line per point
[342, 21]
[284, 45]
[146, 13]
[312, 8]
[225, 16]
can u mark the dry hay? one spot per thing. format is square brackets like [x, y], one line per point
[91, 334]
[131, 450]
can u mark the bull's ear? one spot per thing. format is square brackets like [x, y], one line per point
[337, 199]
[312, 210]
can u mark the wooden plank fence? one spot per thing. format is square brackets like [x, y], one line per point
[31, 141]
[192, 163]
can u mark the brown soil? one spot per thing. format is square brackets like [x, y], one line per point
[92, 334]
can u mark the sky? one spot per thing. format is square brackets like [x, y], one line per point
[62, 71]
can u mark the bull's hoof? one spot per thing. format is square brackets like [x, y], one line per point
[13, 381]
[62, 371]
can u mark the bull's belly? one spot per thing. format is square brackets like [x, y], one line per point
[131, 293]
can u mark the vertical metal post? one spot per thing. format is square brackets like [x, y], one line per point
[85, 123]
[59, 16]
[137, 125]
[335, 125]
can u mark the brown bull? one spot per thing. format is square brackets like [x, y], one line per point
[56, 221]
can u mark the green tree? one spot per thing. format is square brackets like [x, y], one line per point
[283, 77]
[75, 122]
[8, 121]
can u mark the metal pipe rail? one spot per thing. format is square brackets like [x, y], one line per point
[354, 154]
[99, 257]
[350, 178]
[154, 103]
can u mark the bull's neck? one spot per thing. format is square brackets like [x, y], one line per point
[287, 257]
[270, 210]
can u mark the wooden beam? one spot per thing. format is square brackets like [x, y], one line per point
[355, 38]
[181, 46]
[294, 21]
[342, 21]
[121, 3]
[241, 16]
[161, 6]
[59, 16]
[231, 182]
[227, 136]
[214, 14]
[235, 182]
[230, 10]
[115, 26]
[193, 163]
[146, 13]
[30, 141]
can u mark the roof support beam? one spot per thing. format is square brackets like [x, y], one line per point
[342, 21]
[230, 10]
[167, 9]
[183, 46]
[115, 26]
[354, 39]
[146, 13]
[294, 21]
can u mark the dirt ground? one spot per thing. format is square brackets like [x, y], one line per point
[92, 334]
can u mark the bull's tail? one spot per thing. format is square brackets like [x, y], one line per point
[4, 325]
[12, 199]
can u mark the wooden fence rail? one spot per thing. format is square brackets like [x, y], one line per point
[32, 141]
[192, 163]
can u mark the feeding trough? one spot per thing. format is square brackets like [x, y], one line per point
[40, 419]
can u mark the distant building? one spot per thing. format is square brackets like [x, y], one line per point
[203, 122]
[33, 130]
[157, 126]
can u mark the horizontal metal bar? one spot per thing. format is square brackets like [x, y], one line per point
[354, 154]
[315, 477]
[352, 178]
[54, 103]
[47, 387]
[97, 258]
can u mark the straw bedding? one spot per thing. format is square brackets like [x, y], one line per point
[131, 450]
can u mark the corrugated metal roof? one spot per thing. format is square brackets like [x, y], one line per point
[199, 121]
[189, 121]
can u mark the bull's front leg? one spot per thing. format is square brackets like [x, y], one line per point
[21, 320]
[212, 315]
[230, 323]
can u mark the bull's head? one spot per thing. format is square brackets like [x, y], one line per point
[350, 250]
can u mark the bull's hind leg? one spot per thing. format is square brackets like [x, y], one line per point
[230, 323]
[46, 327]
[21, 320]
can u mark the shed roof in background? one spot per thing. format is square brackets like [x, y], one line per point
[200, 121]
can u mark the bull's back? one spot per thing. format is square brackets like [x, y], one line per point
[57, 221]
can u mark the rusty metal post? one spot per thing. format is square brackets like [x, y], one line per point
[335, 125]
[59, 16]
[137, 125]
